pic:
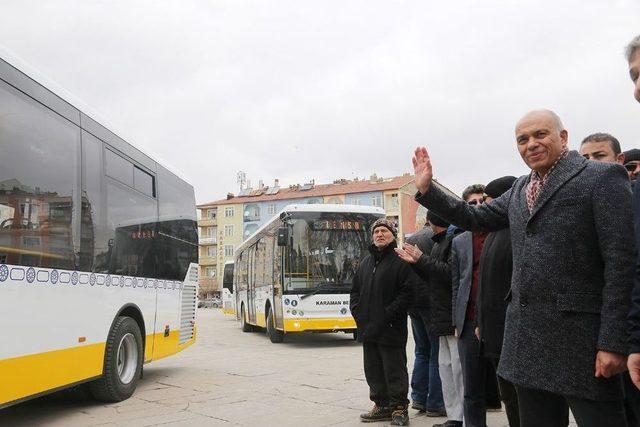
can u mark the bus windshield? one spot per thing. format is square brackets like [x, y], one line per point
[325, 250]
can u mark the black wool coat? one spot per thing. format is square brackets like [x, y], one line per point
[573, 259]
[494, 282]
[423, 240]
[437, 272]
[382, 290]
[634, 313]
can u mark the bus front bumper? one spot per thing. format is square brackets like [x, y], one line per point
[323, 324]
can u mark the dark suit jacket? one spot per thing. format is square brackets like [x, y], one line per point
[573, 260]
[422, 239]
[461, 277]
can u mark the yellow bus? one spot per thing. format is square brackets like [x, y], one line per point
[294, 274]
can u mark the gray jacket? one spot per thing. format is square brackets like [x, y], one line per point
[461, 277]
[573, 260]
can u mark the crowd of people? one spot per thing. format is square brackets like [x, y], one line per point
[526, 290]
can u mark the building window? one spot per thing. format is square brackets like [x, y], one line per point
[228, 250]
[376, 201]
[229, 212]
[210, 272]
[271, 208]
[393, 201]
[355, 201]
[228, 230]
[212, 251]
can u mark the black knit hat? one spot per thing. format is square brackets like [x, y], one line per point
[384, 222]
[499, 186]
[436, 220]
[631, 155]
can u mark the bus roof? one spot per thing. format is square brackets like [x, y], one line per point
[373, 210]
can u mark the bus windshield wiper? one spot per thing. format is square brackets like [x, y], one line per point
[319, 287]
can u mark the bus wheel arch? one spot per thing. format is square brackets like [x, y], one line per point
[133, 311]
[275, 336]
[246, 327]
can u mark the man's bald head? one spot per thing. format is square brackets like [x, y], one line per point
[543, 114]
[541, 139]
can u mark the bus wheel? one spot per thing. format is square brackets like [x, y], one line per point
[122, 362]
[246, 327]
[275, 335]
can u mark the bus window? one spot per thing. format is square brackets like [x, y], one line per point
[36, 192]
[326, 250]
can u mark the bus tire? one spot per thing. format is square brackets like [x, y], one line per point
[246, 327]
[275, 335]
[123, 359]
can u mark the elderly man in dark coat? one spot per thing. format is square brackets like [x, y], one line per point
[383, 287]
[571, 230]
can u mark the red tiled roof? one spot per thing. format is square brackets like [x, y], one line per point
[321, 190]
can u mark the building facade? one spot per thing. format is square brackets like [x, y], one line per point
[225, 224]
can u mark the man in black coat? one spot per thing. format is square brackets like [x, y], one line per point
[381, 293]
[571, 228]
[494, 282]
[426, 389]
[435, 270]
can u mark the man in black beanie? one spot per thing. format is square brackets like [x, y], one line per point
[382, 290]
[496, 266]
[632, 163]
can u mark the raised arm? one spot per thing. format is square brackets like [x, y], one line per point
[491, 216]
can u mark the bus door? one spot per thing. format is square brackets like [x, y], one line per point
[278, 284]
[251, 289]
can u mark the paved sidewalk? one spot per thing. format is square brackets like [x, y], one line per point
[233, 378]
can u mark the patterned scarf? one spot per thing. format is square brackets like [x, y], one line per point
[536, 182]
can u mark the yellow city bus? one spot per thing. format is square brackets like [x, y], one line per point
[98, 251]
[294, 274]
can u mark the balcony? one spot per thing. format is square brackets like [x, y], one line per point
[208, 241]
[207, 261]
[207, 222]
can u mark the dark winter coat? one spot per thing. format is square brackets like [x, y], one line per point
[573, 260]
[438, 273]
[634, 313]
[381, 293]
[494, 281]
[423, 240]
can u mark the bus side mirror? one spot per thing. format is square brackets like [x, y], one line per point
[283, 236]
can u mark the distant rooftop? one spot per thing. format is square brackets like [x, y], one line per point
[338, 187]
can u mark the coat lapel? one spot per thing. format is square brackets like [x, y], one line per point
[566, 169]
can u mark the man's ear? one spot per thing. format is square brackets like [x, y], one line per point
[620, 158]
[564, 136]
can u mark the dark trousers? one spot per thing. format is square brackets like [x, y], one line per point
[540, 408]
[631, 401]
[426, 387]
[385, 368]
[509, 397]
[474, 367]
[491, 389]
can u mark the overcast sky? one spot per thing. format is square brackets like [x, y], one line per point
[301, 90]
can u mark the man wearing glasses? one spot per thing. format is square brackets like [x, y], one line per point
[465, 266]
[632, 163]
